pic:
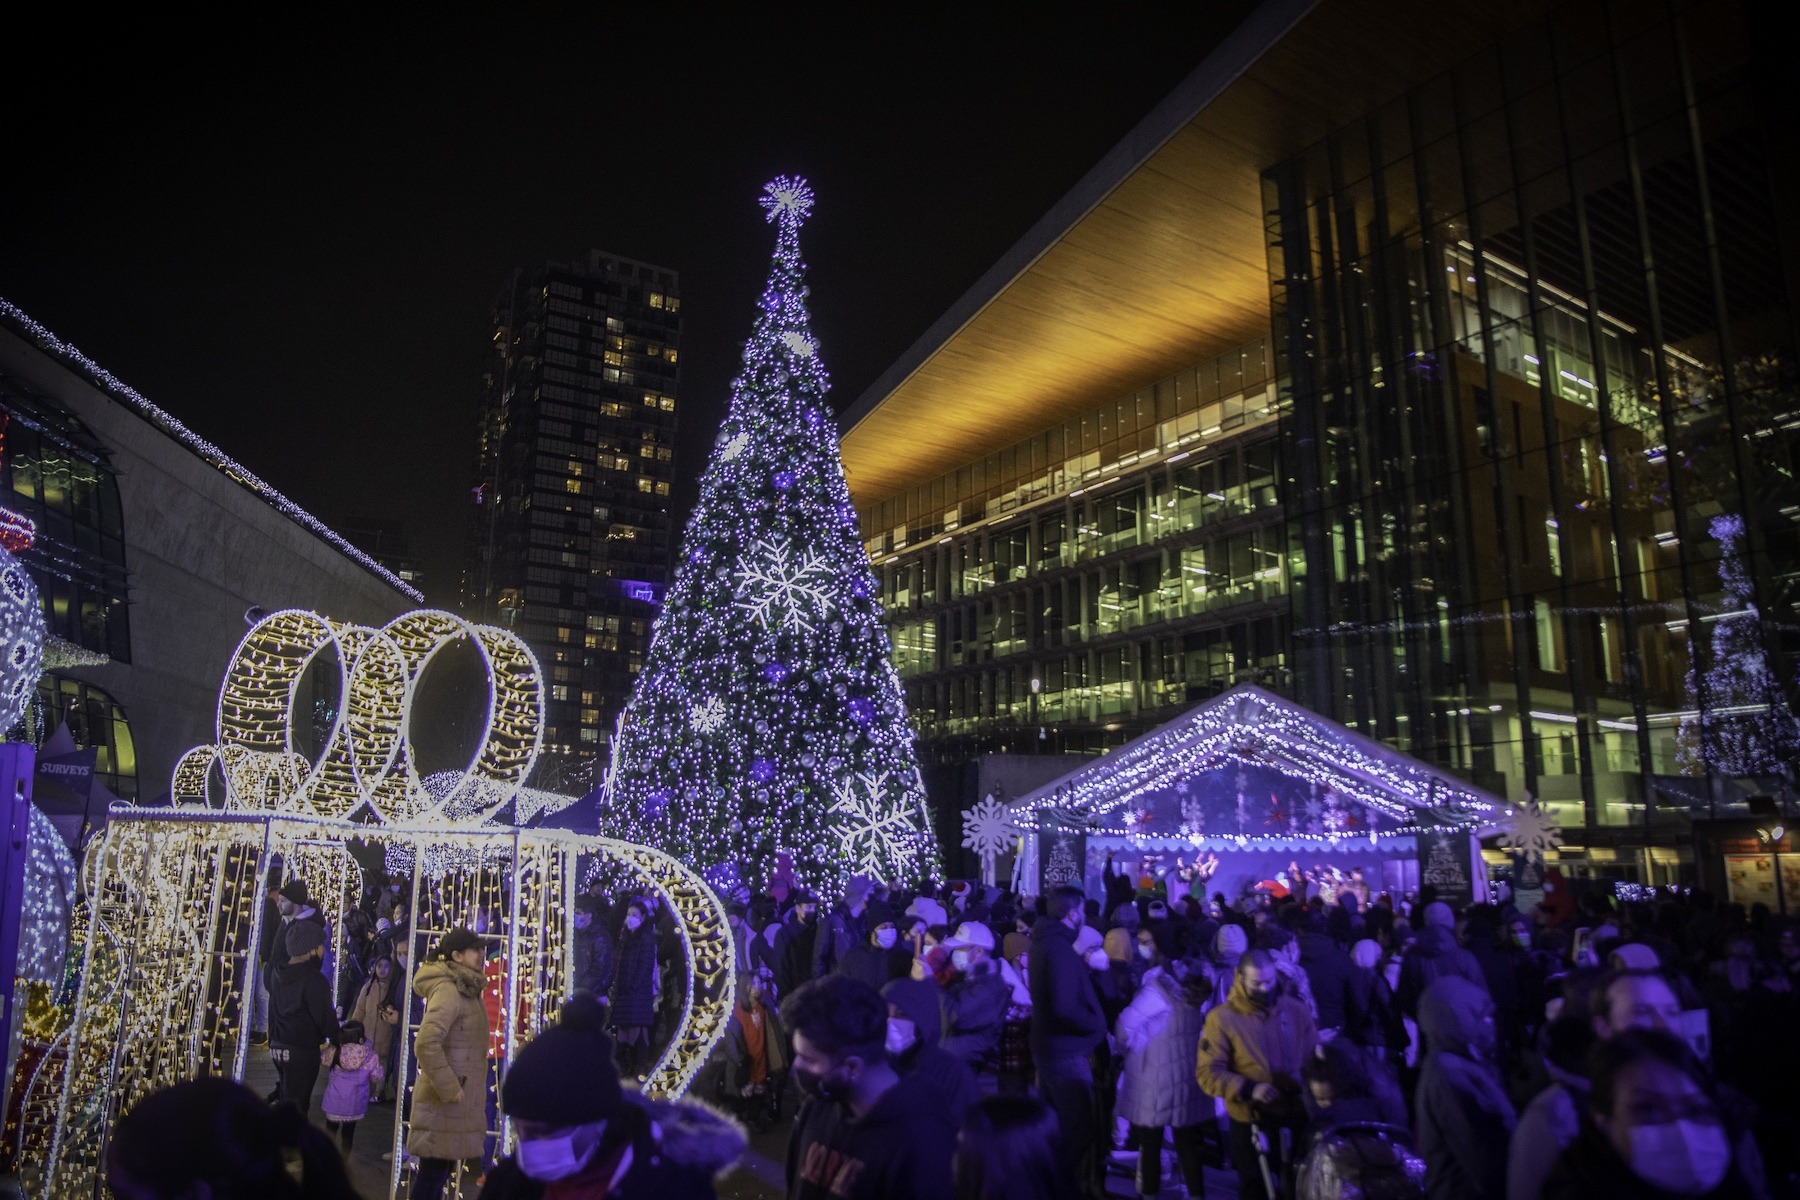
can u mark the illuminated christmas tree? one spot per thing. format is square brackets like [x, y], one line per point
[1744, 725]
[768, 716]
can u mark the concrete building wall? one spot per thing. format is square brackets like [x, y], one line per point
[201, 548]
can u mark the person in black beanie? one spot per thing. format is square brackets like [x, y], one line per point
[579, 1129]
[301, 1018]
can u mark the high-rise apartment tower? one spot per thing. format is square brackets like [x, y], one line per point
[569, 541]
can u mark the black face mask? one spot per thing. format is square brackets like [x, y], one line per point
[830, 1086]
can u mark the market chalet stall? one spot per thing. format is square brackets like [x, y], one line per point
[1242, 789]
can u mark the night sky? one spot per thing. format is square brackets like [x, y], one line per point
[293, 244]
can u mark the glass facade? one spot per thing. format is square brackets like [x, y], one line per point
[570, 543]
[1084, 585]
[54, 471]
[1535, 359]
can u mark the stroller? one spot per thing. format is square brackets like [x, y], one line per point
[1366, 1159]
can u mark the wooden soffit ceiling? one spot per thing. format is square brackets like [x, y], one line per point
[1157, 260]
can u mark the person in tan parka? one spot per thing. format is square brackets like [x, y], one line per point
[1251, 1050]
[449, 1109]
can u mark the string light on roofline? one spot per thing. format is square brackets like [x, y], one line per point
[173, 426]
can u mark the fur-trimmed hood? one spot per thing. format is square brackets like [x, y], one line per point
[691, 1134]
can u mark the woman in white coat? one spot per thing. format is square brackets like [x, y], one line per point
[1159, 1035]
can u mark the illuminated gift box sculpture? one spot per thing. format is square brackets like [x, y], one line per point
[175, 895]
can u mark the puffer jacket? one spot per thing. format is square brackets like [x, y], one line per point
[1465, 1118]
[1159, 1032]
[357, 1069]
[975, 1013]
[1243, 1045]
[677, 1148]
[451, 1047]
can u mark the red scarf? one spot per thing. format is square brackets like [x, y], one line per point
[595, 1183]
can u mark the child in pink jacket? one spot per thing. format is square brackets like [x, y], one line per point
[355, 1073]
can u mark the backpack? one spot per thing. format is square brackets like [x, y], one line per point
[1366, 1159]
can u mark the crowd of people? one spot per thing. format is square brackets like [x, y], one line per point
[970, 1042]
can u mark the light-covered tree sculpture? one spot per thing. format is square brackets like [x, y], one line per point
[1743, 724]
[768, 717]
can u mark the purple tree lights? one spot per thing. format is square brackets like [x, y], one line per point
[768, 711]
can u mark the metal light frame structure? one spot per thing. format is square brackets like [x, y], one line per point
[175, 895]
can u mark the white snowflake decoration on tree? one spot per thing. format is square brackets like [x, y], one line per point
[1336, 819]
[799, 343]
[1529, 830]
[989, 830]
[876, 836]
[788, 198]
[707, 716]
[776, 590]
[734, 446]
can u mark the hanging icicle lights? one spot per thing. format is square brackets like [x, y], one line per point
[769, 717]
[1282, 741]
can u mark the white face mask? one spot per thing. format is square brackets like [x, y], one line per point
[885, 938]
[550, 1159]
[901, 1034]
[633, 922]
[1144, 952]
[959, 959]
[1686, 1157]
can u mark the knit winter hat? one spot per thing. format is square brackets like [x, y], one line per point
[566, 1074]
[1088, 939]
[304, 937]
[1230, 943]
[295, 890]
[1440, 914]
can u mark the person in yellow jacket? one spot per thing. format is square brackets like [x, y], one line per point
[449, 1108]
[1251, 1051]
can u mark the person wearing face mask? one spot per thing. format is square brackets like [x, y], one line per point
[375, 1010]
[1067, 1023]
[800, 946]
[975, 997]
[1654, 1128]
[581, 1135]
[1465, 1117]
[879, 957]
[1252, 1049]
[866, 1132]
[595, 955]
[634, 989]
[915, 1021]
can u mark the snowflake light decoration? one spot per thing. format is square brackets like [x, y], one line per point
[1529, 830]
[875, 836]
[799, 343]
[776, 590]
[708, 715]
[1336, 819]
[734, 446]
[989, 830]
[787, 198]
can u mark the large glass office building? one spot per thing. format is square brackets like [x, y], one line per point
[1434, 368]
